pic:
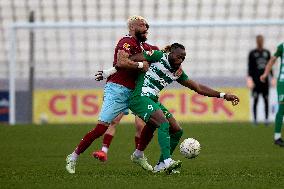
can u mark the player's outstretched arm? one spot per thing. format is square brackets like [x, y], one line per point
[104, 74]
[206, 91]
[268, 68]
[124, 61]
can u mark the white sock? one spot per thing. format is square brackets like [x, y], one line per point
[167, 161]
[105, 149]
[74, 156]
[138, 153]
[277, 136]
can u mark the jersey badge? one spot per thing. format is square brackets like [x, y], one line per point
[126, 46]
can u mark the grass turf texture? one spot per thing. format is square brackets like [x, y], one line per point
[232, 156]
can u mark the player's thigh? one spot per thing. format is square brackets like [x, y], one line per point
[116, 101]
[143, 107]
[117, 119]
[157, 118]
[166, 112]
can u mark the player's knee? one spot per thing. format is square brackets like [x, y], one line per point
[111, 130]
[112, 126]
[164, 127]
[158, 118]
[114, 123]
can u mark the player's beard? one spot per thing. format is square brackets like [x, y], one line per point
[141, 36]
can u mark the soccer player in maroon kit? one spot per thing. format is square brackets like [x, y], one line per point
[118, 88]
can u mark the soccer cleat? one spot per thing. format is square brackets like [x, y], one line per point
[100, 155]
[161, 167]
[279, 142]
[71, 163]
[142, 162]
[173, 165]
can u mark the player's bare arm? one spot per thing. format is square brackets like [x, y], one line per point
[268, 68]
[206, 91]
[123, 61]
[139, 57]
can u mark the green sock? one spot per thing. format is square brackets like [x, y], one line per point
[279, 119]
[164, 140]
[174, 140]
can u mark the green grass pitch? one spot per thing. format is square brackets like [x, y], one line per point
[235, 155]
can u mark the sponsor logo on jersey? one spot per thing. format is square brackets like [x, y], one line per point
[126, 46]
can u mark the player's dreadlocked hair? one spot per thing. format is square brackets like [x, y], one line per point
[173, 46]
[177, 45]
[134, 18]
[167, 49]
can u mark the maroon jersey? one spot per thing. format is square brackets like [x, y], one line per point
[130, 45]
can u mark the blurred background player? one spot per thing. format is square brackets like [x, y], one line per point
[118, 88]
[258, 59]
[280, 92]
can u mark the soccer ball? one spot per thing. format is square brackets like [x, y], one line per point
[190, 148]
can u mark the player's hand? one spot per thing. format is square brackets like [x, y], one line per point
[105, 73]
[99, 76]
[145, 66]
[263, 77]
[250, 83]
[233, 98]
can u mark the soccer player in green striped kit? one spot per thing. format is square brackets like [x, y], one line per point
[144, 102]
[280, 91]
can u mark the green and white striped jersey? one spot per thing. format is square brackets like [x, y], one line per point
[280, 53]
[159, 75]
